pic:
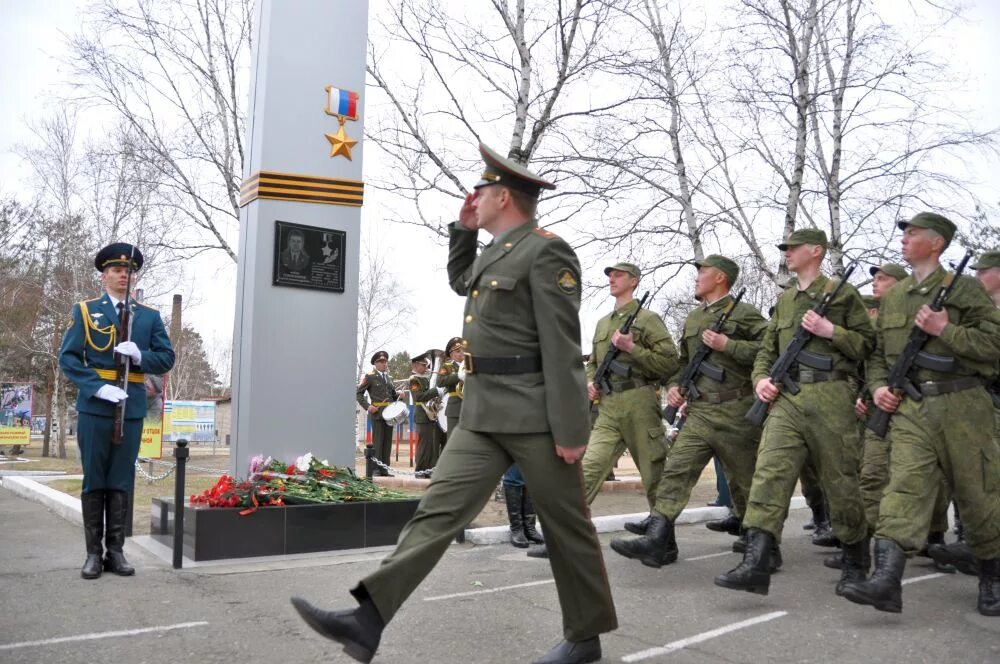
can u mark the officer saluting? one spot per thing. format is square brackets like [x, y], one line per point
[92, 348]
[525, 403]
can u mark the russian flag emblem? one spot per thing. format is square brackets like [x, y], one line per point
[343, 103]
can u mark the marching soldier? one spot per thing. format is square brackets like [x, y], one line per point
[948, 432]
[377, 384]
[817, 424]
[450, 377]
[715, 425]
[92, 349]
[525, 402]
[428, 432]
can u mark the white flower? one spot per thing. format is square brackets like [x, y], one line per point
[302, 463]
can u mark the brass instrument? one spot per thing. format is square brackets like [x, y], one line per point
[433, 406]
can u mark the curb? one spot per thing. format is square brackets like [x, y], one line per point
[621, 485]
[69, 508]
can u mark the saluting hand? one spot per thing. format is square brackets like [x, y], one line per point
[570, 454]
[930, 321]
[766, 390]
[817, 325]
[714, 340]
[467, 215]
[623, 342]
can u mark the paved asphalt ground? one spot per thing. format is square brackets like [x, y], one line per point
[482, 604]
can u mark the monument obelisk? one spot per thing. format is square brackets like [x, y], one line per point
[297, 276]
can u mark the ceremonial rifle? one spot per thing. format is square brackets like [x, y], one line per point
[795, 351]
[125, 361]
[610, 364]
[899, 380]
[698, 365]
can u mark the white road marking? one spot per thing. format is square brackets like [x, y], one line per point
[101, 635]
[487, 591]
[922, 578]
[710, 555]
[698, 638]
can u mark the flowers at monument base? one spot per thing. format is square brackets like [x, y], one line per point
[308, 481]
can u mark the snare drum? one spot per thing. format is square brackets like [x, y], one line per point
[395, 413]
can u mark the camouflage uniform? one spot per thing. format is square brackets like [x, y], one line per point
[715, 424]
[629, 417]
[946, 433]
[818, 423]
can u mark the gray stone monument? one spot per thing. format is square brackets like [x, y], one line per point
[297, 276]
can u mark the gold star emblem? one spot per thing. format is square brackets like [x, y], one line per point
[341, 143]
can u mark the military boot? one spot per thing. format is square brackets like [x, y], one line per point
[730, 524]
[989, 587]
[884, 590]
[638, 527]
[528, 518]
[573, 652]
[657, 548]
[539, 551]
[835, 561]
[939, 566]
[740, 545]
[857, 560]
[92, 508]
[513, 496]
[823, 534]
[776, 559]
[116, 512]
[957, 555]
[754, 573]
[358, 630]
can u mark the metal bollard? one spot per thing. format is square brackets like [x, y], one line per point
[181, 454]
[369, 464]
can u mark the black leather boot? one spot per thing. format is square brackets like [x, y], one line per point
[989, 587]
[638, 527]
[513, 496]
[656, 548]
[959, 527]
[884, 590]
[776, 559]
[573, 652]
[538, 552]
[754, 573]
[834, 561]
[740, 545]
[823, 535]
[730, 524]
[92, 508]
[957, 555]
[358, 630]
[937, 539]
[857, 561]
[528, 518]
[115, 512]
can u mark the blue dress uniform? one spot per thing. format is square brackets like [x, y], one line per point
[88, 359]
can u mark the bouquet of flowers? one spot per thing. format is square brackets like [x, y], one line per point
[307, 481]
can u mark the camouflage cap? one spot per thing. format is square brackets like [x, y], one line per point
[894, 270]
[986, 260]
[509, 173]
[942, 225]
[723, 264]
[805, 236]
[631, 268]
[380, 355]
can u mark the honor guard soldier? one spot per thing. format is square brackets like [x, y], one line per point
[93, 351]
[815, 425]
[451, 377]
[525, 402]
[377, 384]
[715, 425]
[429, 435]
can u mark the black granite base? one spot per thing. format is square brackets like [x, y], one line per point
[213, 533]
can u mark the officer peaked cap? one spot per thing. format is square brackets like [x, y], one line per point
[118, 254]
[509, 173]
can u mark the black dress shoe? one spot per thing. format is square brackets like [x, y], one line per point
[573, 652]
[358, 630]
[538, 552]
[93, 567]
[115, 562]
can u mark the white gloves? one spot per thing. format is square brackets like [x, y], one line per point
[461, 372]
[112, 393]
[442, 391]
[129, 348]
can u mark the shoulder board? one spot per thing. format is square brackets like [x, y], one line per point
[146, 306]
[548, 235]
[443, 371]
[371, 373]
[93, 299]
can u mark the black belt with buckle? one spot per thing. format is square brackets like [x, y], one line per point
[935, 388]
[513, 364]
[813, 376]
[725, 395]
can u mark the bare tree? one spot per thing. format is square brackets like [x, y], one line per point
[175, 74]
[382, 306]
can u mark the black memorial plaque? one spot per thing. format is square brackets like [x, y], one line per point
[308, 257]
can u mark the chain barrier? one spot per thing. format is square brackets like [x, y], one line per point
[170, 470]
[421, 474]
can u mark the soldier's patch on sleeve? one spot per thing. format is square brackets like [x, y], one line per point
[566, 281]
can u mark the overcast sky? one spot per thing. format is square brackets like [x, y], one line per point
[31, 39]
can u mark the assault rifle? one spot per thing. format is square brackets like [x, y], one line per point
[124, 362]
[699, 366]
[610, 364]
[899, 380]
[795, 352]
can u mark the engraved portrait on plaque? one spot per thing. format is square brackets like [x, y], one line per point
[308, 257]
